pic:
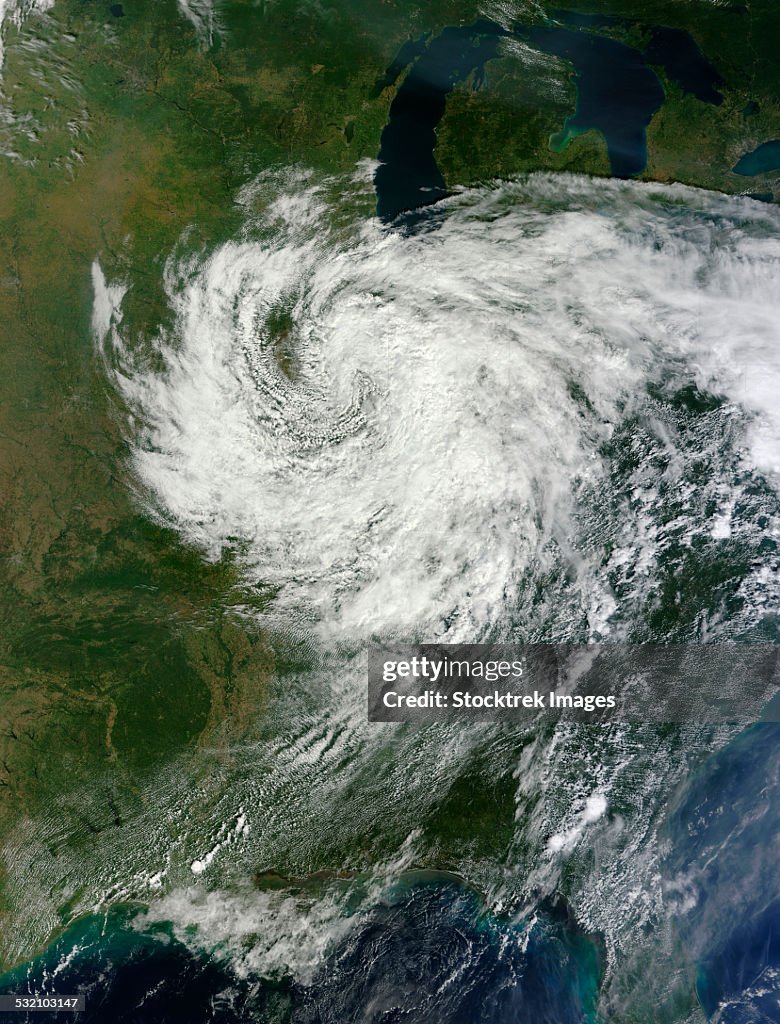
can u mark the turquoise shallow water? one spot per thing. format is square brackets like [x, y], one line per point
[576, 812]
[132, 975]
[617, 94]
[429, 951]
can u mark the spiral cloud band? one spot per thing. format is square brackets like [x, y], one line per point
[475, 431]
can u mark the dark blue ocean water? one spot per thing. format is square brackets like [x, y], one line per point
[432, 955]
[429, 954]
[134, 976]
[724, 841]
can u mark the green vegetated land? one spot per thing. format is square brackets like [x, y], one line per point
[505, 126]
[118, 646]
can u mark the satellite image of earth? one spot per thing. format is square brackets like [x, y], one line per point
[331, 323]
